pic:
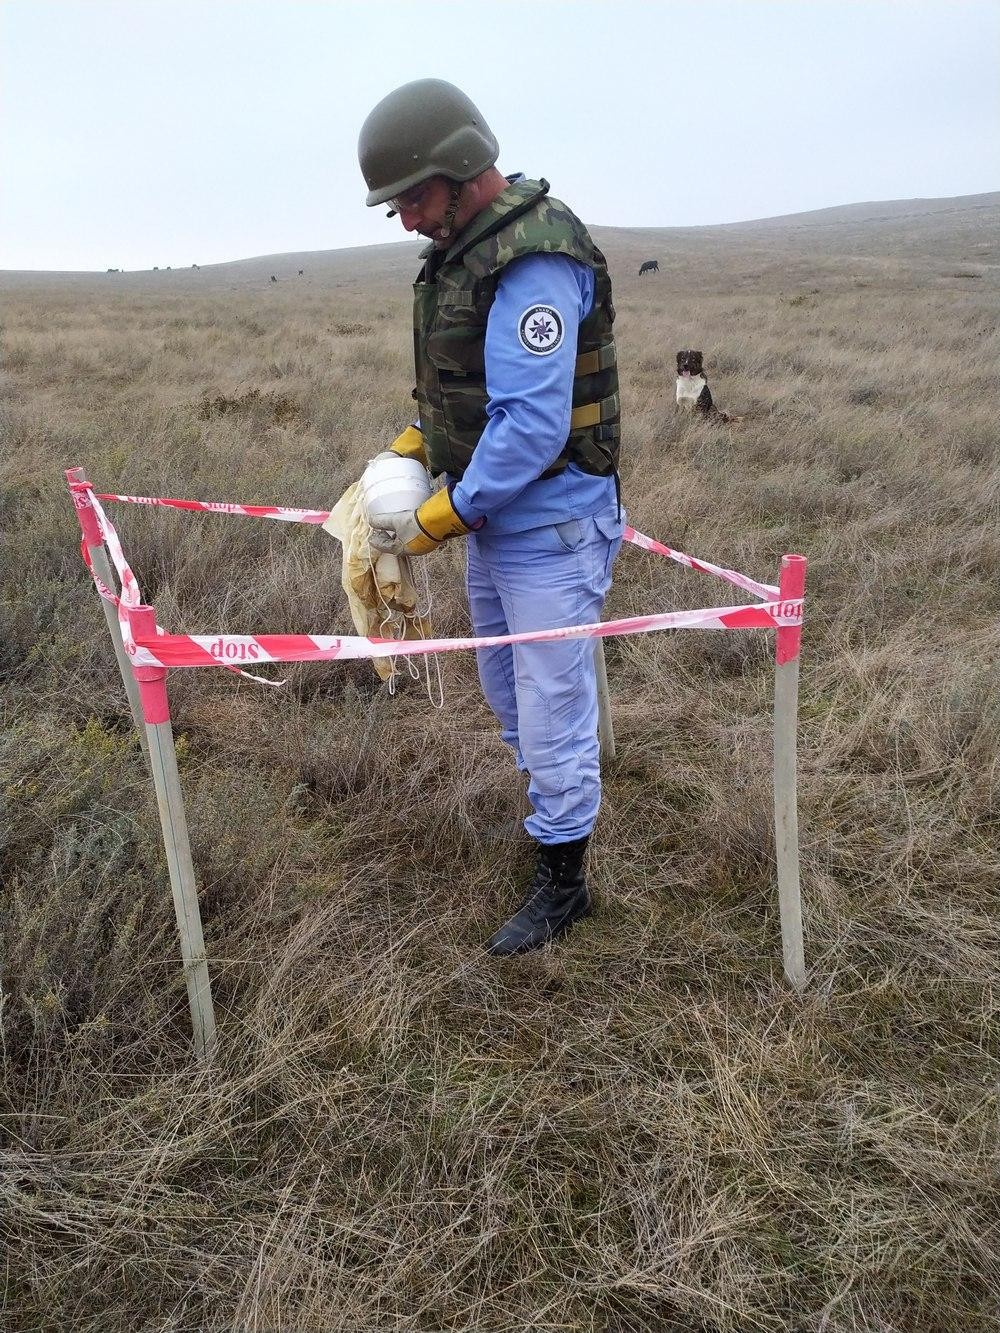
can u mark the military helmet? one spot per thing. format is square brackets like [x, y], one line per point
[426, 128]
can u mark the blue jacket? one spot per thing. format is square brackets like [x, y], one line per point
[529, 407]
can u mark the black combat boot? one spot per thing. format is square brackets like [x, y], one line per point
[557, 896]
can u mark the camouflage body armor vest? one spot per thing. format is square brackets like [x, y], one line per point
[452, 299]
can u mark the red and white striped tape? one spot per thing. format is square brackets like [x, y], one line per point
[280, 512]
[173, 650]
[235, 651]
[131, 598]
[765, 591]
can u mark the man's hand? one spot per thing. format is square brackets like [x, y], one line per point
[418, 531]
[401, 534]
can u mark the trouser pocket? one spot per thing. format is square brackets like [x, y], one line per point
[611, 526]
[570, 533]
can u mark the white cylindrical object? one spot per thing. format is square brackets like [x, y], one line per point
[390, 485]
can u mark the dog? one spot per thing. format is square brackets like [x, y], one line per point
[693, 392]
[649, 266]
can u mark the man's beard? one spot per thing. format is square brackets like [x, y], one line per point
[441, 242]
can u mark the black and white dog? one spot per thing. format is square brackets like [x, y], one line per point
[693, 392]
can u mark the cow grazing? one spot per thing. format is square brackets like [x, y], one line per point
[649, 266]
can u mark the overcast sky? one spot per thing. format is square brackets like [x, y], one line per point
[167, 132]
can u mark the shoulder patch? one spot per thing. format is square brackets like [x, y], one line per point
[540, 329]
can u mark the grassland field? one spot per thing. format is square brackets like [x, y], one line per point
[641, 1127]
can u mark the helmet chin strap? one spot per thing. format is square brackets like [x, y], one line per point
[453, 202]
[454, 199]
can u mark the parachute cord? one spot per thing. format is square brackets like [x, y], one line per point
[433, 688]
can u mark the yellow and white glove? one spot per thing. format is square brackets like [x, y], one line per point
[419, 531]
[409, 444]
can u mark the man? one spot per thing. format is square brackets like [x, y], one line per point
[517, 390]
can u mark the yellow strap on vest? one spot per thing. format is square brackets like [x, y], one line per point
[601, 358]
[587, 415]
[592, 414]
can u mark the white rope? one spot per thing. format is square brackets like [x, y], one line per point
[420, 616]
[434, 697]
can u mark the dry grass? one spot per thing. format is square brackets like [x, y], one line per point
[640, 1128]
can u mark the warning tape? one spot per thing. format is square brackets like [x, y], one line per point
[174, 650]
[765, 591]
[133, 596]
[280, 512]
[234, 651]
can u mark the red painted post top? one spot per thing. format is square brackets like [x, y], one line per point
[79, 489]
[152, 679]
[792, 583]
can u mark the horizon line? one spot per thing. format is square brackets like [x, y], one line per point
[407, 241]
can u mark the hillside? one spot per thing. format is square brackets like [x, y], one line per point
[959, 230]
[641, 1127]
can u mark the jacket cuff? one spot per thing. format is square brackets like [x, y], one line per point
[473, 524]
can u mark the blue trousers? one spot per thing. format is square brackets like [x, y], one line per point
[545, 694]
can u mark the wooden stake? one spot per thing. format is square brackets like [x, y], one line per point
[102, 568]
[605, 727]
[152, 683]
[792, 583]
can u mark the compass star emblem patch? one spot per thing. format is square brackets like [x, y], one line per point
[540, 329]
